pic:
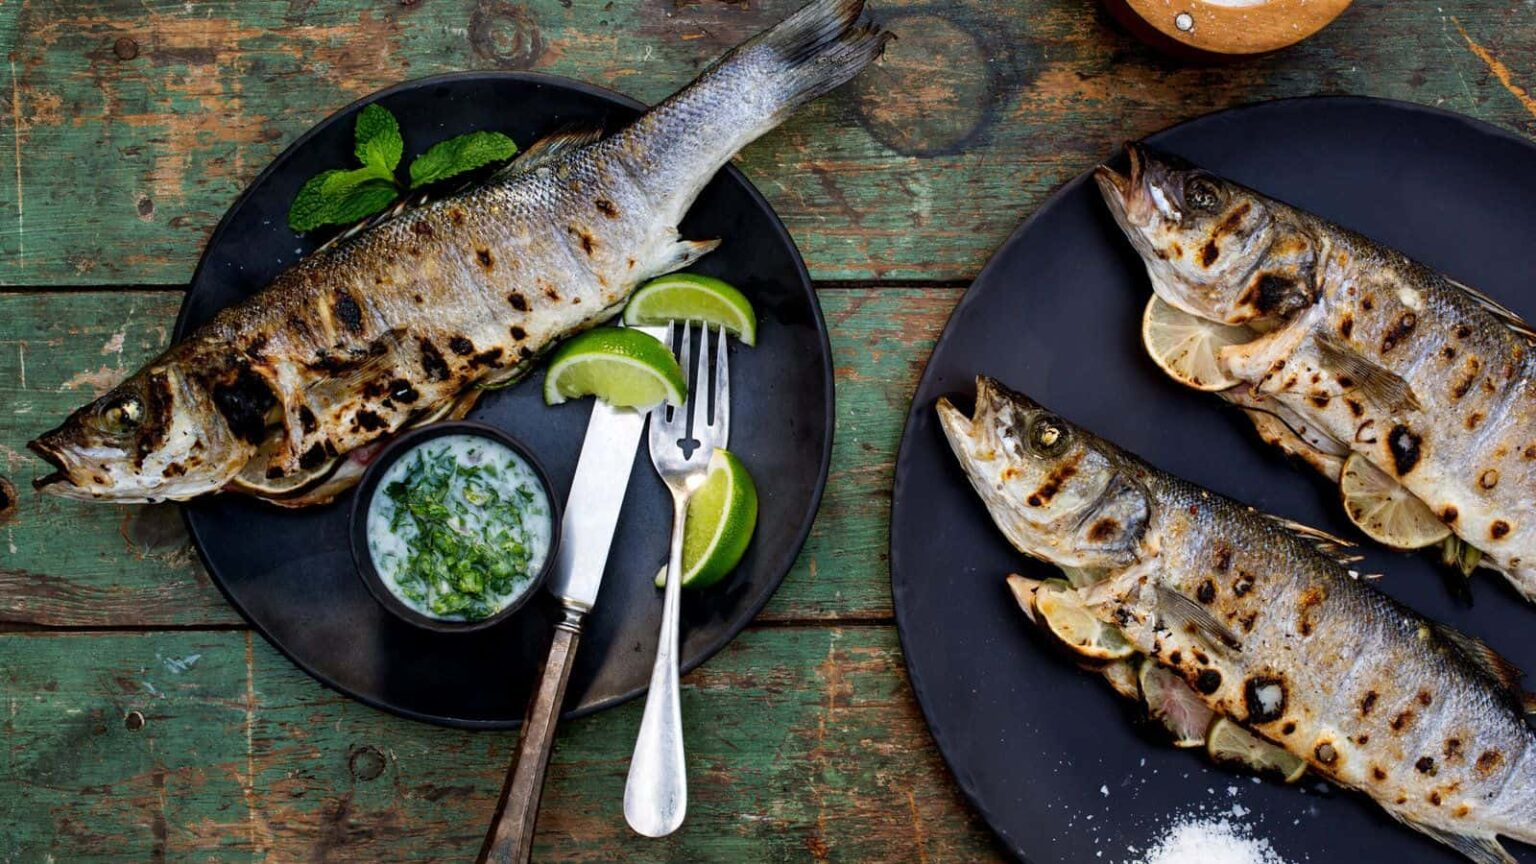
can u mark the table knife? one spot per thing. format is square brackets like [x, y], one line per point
[591, 512]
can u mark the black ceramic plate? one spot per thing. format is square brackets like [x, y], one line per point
[290, 572]
[1047, 753]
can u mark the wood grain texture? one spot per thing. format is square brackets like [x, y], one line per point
[133, 566]
[211, 747]
[130, 125]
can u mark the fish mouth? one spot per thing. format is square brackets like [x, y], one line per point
[1120, 190]
[52, 457]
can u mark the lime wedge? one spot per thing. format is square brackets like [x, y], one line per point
[722, 514]
[626, 368]
[691, 297]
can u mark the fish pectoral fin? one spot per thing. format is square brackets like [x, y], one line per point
[1480, 848]
[685, 252]
[1380, 385]
[548, 149]
[1182, 613]
[1508, 317]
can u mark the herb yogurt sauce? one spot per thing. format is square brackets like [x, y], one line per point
[459, 527]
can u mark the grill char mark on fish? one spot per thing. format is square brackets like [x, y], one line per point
[1332, 670]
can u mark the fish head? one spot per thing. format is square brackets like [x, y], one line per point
[1213, 248]
[1056, 491]
[154, 437]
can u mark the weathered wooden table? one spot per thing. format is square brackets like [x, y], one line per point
[144, 722]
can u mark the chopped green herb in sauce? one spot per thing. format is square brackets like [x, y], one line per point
[458, 527]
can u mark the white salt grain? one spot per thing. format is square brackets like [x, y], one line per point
[1210, 840]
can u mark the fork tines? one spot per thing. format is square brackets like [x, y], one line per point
[709, 400]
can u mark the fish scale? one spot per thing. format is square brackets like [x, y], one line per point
[287, 394]
[1266, 628]
[1426, 379]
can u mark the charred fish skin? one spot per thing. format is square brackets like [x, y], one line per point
[1430, 381]
[1270, 631]
[412, 316]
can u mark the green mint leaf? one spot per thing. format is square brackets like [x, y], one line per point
[457, 155]
[377, 135]
[305, 212]
[341, 198]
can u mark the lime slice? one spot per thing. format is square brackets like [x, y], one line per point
[1228, 742]
[1186, 347]
[1061, 611]
[691, 297]
[1174, 704]
[1384, 510]
[253, 478]
[626, 368]
[722, 514]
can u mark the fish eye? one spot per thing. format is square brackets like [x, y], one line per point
[1048, 435]
[1202, 194]
[123, 414]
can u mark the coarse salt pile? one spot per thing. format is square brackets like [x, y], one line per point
[1210, 840]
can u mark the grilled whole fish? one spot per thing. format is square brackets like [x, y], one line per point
[1363, 350]
[409, 319]
[1272, 632]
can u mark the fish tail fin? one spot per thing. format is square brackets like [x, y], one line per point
[808, 54]
[1481, 848]
[681, 143]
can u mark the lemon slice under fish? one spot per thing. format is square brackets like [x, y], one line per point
[1228, 742]
[1384, 510]
[253, 479]
[1186, 347]
[1062, 613]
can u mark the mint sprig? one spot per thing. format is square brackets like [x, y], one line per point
[457, 155]
[344, 196]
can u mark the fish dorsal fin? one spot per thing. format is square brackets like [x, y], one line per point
[1337, 548]
[1507, 316]
[1491, 662]
[1380, 385]
[1182, 613]
[547, 149]
[370, 221]
[1480, 849]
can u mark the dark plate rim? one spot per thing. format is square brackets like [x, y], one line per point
[750, 613]
[903, 624]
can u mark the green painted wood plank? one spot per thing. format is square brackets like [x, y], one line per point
[129, 126]
[65, 563]
[803, 744]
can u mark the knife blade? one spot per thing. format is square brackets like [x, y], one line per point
[586, 532]
[592, 510]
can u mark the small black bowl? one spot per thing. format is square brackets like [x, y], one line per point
[364, 500]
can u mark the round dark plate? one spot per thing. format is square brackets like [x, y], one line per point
[1047, 753]
[290, 573]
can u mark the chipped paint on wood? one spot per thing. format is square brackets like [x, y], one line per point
[144, 147]
[241, 757]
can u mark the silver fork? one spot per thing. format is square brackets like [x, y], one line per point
[656, 792]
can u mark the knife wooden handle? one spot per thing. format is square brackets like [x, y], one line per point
[510, 840]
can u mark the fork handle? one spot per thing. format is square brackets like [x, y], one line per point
[510, 840]
[656, 792]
